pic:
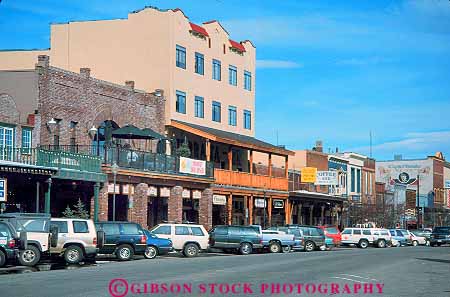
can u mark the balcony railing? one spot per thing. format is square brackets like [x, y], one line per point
[244, 179]
[133, 159]
[51, 158]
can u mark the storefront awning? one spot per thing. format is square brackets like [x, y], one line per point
[231, 138]
[302, 194]
[17, 167]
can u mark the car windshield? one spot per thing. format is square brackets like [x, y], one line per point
[332, 230]
[441, 230]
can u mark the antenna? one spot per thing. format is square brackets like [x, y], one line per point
[370, 135]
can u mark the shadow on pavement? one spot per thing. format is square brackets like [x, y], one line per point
[434, 260]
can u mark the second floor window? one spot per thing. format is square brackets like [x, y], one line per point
[232, 75]
[217, 69]
[247, 80]
[181, 57]
[181, 102]
[199, 63]
[247, 119]
[26, 140]
[216, 111]
[199, 107]
[232, 121]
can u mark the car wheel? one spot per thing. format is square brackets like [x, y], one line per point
[245, 248]
[30, 256]
[381, 244]
[415, 243]
[427, 243]
[363, 244]
[190, 250]
[73, 254]
[275, 247]
[286, 249]
[124, 252]
[2, 258]
[310, 246]
[150, 252]
[389, 244]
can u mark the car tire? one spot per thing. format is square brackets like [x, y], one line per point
[309, 246]
[389, 244]
[2, 258]
[150, 252]
[415, 243]
[124, 252]
[30, 256]
[286, 249]
[363, 244]
[190, 250]
[245, 248]
[427, 243]
[381, 244]
[73, 254]
[274, 247]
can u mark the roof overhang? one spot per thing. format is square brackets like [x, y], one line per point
[301, 194]
[213, 135]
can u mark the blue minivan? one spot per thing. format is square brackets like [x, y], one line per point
[399, 236]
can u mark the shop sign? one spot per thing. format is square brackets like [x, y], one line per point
[219, 199]
[164, 192]
[196, 194]
[326, 178]
[3, 189]
[186, 193]
[111, 189]
[260, 203]
[127, 190]
[308, 175]
[152, 191]
[277, 203]
[191, 166]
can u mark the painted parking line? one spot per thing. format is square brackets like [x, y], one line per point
[367, 278]
[348, 279]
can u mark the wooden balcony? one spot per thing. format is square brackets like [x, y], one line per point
[245, 179]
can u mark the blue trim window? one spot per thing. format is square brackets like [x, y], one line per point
[232, 72]
[26, 140]
[232, 116]
[181, 57]
[216, 110]
[247, 80]
[352, 179]
[181, 102]
[6, 142]
[199, 63]
[247, 119]
[217, 70]
[358, 180]
[199, 107]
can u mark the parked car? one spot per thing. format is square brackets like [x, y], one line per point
[244, 239]
[40, 237]
[156, 246]
[408, 236]
[363, 237]
[419, 240]
[332, 236]
[394, 243]
[422, 232]
[78, 239]
[277, 241]
[123, 239]
[189, 239]
[313, 237]
[439, 236]
[398, 235]
[298, 236]
[10, 243]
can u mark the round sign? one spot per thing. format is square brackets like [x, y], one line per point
[403, 177]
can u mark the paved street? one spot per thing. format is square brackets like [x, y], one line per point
[420, 271]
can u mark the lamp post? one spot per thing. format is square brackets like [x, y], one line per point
[114, 169]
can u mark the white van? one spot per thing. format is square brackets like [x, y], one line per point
[363, 237]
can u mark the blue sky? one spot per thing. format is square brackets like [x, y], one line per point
[328, 70]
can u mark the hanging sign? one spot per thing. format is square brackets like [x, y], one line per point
[277, 203]
[191, 166]
[326, 178]
[152, 191]
[196, 194]
[219, 200]
[260, 203]
[127, 190]
[186, 193]
[3, 189]
[111, 189]
[308, 175]
[164, 192]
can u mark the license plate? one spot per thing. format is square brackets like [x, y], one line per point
[439, 240]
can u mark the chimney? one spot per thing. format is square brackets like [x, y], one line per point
[319, 146]
[86, 72]
[43, 61]
[130, 84]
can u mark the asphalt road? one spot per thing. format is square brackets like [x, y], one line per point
[408, 271]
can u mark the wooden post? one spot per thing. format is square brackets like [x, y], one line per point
[287, 212]
[311, 210]
[251, 162]
[250, 210]
[270, 164]
[269, 211]
[230, 158]
[245, 210]
[230, 209]
[208, 150]
[286, 167]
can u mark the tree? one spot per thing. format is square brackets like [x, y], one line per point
[68, 213]
[183, 150]
[80, 211]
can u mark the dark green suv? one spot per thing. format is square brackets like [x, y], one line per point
[10, 244]
[312, 237]
[243, 239]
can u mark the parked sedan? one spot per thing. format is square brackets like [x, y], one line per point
[419, 240]
[399, 236]
[332, 236]
[156, 246]
[277, 241]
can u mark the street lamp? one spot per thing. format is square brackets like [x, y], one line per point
[114, 169]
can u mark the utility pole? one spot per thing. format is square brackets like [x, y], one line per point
[418, 202]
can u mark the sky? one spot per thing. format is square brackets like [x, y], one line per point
[335, 71]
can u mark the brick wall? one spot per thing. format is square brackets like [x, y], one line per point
[77, 97]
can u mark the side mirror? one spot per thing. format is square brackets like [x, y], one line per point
[54, 236]
[23, 243]
[100, 239]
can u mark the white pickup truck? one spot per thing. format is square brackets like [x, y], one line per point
[277, 241]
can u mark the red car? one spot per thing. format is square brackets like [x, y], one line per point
[332, 235]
